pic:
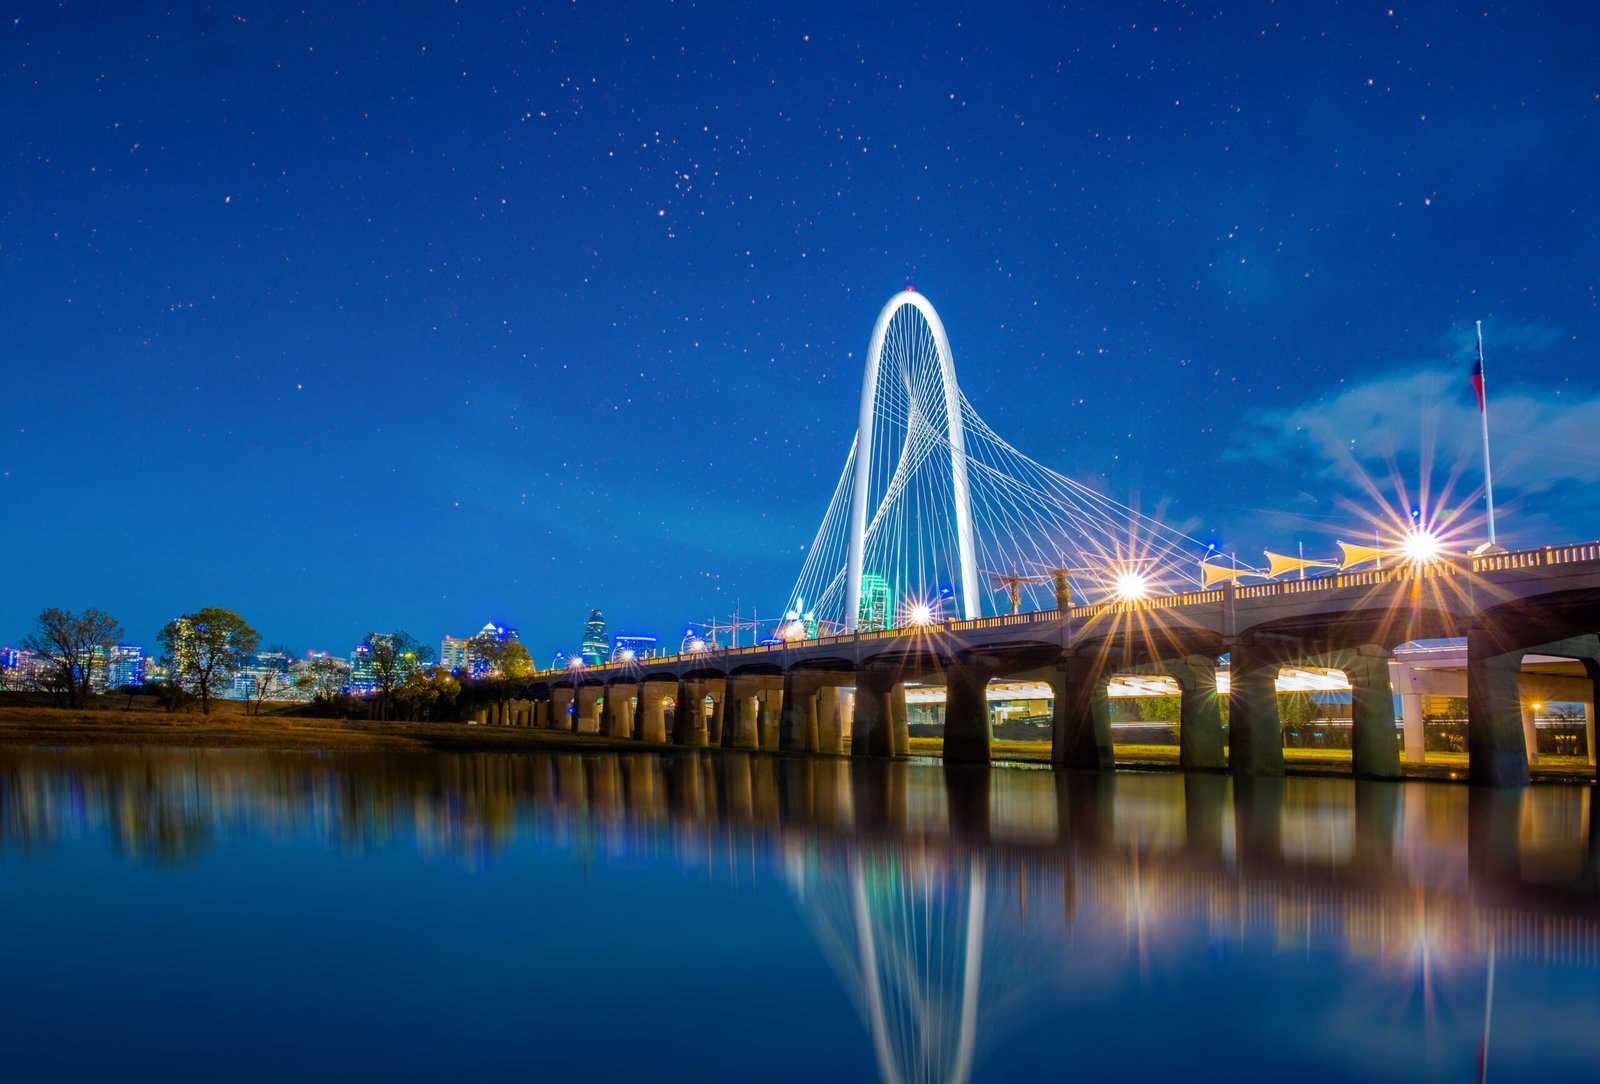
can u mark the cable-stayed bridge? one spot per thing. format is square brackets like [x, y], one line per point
[935, 515]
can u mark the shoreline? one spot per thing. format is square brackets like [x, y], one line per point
[67, 728]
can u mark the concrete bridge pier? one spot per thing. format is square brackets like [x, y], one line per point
[1374, 749]
[652, 714]
[587, 718]
[830, 719]
[768, 715]
[797, 727]
[1497, 746]
[541, 713]
[968, 731]
[880, 728]
[1413, 728]
[1199, 713]
[1255, 736]
[1081, 732]
[561, 707]
[616, 716]
[717, 690]
[689, 723]
[739, 730]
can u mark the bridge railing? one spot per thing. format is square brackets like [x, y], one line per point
[1539, 558]
[1547, 556]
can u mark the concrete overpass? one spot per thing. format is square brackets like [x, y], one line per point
[808, 695]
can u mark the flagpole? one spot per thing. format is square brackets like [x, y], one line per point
[1483, 414]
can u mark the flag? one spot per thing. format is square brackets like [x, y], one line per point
[1477, 376]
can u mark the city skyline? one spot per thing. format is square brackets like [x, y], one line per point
[531, 317]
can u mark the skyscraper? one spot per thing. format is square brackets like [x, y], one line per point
[877, 603]
[453, 654]
[596, 647]
[631, 647]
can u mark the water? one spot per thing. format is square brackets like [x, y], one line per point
[214, 914]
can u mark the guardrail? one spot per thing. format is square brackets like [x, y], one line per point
[1543, 557]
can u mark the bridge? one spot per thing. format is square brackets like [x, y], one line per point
[928, 491]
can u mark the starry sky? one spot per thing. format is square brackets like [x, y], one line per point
[378, 316]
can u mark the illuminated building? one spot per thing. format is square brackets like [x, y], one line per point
[363, 679]
[632, 647]
[455, 655]
[499, 632]
[595, 648]
[125, 667]
[877, 603]
[269, 670]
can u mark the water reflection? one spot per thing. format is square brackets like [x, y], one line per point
[956, 906]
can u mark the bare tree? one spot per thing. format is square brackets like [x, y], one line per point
[70, 643]
[269, 677]
[393, 657]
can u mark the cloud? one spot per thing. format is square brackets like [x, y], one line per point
[1423, 426]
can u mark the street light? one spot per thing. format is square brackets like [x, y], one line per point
[1421, 546]
[1132, 586]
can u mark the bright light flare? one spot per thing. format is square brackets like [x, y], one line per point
[1421, 546]
[920, 614]
[1132, 586]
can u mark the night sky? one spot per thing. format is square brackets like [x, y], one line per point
[420, 315]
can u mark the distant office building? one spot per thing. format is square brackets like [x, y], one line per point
[363, 679]
[632, 647]
[268, 672]
[595, 648]
[499, 632]
[125, 666]
[455, 655]
[877, 603]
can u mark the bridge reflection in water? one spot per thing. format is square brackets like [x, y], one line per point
[955, 904]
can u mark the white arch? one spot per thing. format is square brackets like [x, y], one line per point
[971, 605]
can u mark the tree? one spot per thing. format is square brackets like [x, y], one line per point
[268, 677]
[428, 693]
[73, 645]
[393, 656]
[322, 679]
[203, 650]
[500, 657]
[172, 696]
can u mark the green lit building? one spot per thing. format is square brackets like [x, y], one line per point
[596, 646]
[877, 603]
